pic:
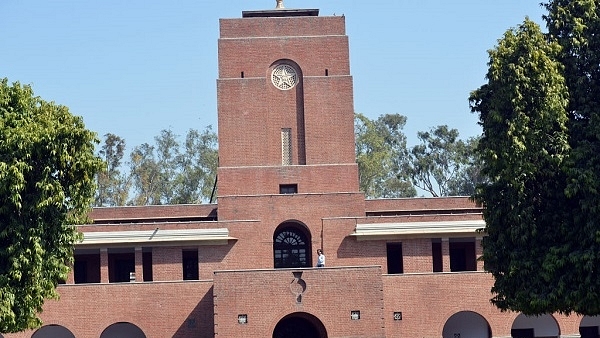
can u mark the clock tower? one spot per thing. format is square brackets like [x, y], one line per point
[285, 106]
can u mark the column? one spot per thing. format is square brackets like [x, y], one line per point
[479, 253]
[446, 254]
[104, 265]
[139, 265]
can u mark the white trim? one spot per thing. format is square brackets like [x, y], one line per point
[376, 231]
[213, 236]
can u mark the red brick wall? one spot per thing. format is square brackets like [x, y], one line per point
[252, 112]
[176, 309]
[427, 301]
[331, 294]
[266, 180]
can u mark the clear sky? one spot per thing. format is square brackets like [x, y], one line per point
[135, 67]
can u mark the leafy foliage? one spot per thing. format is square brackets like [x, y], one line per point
[47, 168]
[443, 164]
[529, 247]
[113, 187]
[167, 172]
[380, 154]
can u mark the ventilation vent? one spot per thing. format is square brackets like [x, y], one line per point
[286, 146]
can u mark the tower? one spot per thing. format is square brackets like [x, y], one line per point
[285, 106]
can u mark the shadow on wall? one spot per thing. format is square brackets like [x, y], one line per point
[200, 322]
[351, 248]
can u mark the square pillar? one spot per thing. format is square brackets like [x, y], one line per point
[104, 265]
[71, 275]
[479, 253]
[446, 254]
[139, 265]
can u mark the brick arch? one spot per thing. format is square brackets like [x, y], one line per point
[292, 245]
[468, 324]
[299, 324]
[51, 331]
[123, 329]
[544, 325]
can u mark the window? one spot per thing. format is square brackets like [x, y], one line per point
[290, 248]
[462, 254]
[147, 264]
[436, 253]
[86, 267]
[288, 188]
[394, 258]
[189, 259]
[121, 262]
[286, 146]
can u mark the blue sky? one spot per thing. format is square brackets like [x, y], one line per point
[133, 68]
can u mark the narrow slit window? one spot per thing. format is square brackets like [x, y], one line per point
[242, 75]
[326, 72]
[286, 146]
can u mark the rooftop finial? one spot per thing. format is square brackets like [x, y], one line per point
[279, 4]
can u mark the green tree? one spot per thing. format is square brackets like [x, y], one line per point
[442, 164]
[47, 169]
[146, 176]
[529, 247]
[380, 154]
[174, 173]
[197, 167]
[112, 186]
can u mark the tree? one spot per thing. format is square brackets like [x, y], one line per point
[146, 176]
[47, 169]
[197, 166]
[380, 154]
[167, 174]
[529, 248]
[112, 186]
[443, 164]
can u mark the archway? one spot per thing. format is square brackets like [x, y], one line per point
[466, 324]
[532, 327]
[52, 331]
[590, 327]
[118, 330]
[291, 246]
[299, 325]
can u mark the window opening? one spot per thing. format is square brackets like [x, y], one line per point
[147, 263]
[436, 253]
[291, 248]
[288, 188]
[121, 262]
[286, 146]
[326, 72]
[190, 264]
[394, 258]
[86, 266]
[462, 255]
[242, 75]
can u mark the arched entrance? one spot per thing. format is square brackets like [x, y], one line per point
[300, 325]
[466, 324]
[590, 327]
[118, 330]
[291, 246]
[52, 331]
[532, 327]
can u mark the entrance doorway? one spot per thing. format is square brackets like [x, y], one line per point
[299, 325]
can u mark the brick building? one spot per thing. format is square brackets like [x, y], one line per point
[287, 185]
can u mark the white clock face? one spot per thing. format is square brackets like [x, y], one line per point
[284, 77]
